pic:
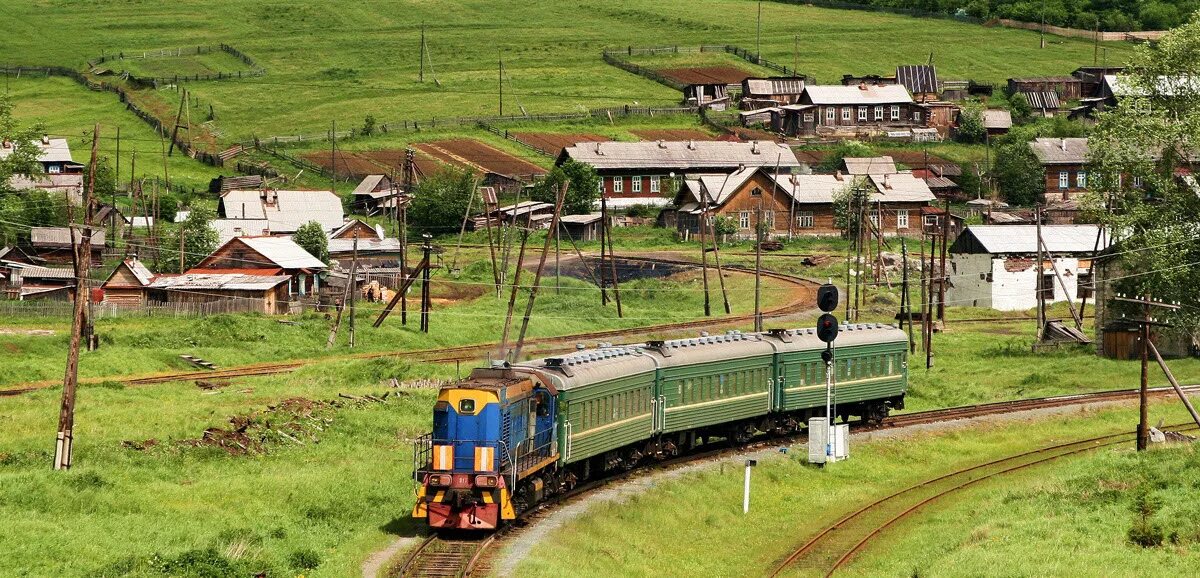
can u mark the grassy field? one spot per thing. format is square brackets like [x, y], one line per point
[363, 59]
[203, 64]
[1053, 521]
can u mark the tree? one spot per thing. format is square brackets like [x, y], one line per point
[1136, 152]
[847, 148]
[582, 194]
[846, 205]
[199, 240]
[368, 128]
[1018, 173]
[1018, 105]
[311, 236]
[440, 200]
[23, 151]
[970, 124]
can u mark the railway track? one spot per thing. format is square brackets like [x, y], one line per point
[837, 544]
[473, 352]
[481, 551]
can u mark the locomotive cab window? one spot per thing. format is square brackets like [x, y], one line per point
[466, 406]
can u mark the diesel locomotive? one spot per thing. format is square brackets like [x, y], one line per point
[509, 436]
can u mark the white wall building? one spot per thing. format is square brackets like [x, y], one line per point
[996, 265]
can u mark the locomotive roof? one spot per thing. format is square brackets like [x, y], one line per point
[589, 366]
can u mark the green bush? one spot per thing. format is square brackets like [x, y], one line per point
[304, 559]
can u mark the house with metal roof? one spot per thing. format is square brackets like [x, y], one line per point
[920, 79]
[758, 93]
[1064, 165]
[636, 172]
[996, 266]
[284, 211]
[846, 111]
[53, 153]
[881, 165]
[126, 286]
[371, 193]
[221, 292]
[796, 204]
[266, 255]
[55, 244]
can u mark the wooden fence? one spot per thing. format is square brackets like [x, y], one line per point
[618, 58]
[255, 70]
[104, 310]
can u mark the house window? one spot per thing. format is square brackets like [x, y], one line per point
[862, 114]
[931, 221]
[637, 184]
[769, 218]
[1084, 288]
[1064, 179]
[879, 113]
[618, 184]
[54, 169]
[901, 219]
[846, 114]
[1081, 179]
[830, 113]
[916, 116]
[804, 220]
[895, 112]
[1137, 182]
[655, 184]
[875, 220]
[744, 220]
[808, 117]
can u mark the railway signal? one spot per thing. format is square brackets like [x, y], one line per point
[827, 331]
[827, 298]
[827, 328]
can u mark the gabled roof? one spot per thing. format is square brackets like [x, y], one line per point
[370, 185]
[917, 77]
[679, 155]
[1119, 85]
[1009, 239]
[1047, 100]
[39, 272]
[859, 94]
[55, 150]
[997, 119]
[349, 225]
[1060, 151]
[283, 252]
[773, 86]
[230, 228]
[48, 181]
[218, 282]
[286, 211]
[901, 188]
[581, 219]
[61, 236]
[365, 245]
[869, 165]
[136, 268]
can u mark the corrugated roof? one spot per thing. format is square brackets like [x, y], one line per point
[1047, 100]
[218, 282]
[1060, 151]
[772, 86]
[351, 223]
[365, 245]
[1001, 239]
[581, 219]
[901, 187]
[940, 183]
[139, 270]
[39, 272]
[369, 184]
[286, 211]
[679, 155]
[997, 119]
[57, 150]
[230, 228]
[813, 189]
[283, 251]
[917, 77]
[47, 236]
[54, 182]
[869, 165]
[1119, 85]
[858, 94]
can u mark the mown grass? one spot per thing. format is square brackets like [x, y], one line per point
[207, 63]
[346, 69]
[694, 525]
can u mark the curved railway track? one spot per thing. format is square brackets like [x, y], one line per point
[430, 559]
[837, 544]
[542, 345]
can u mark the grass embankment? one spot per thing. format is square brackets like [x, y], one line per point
[693, 525]
[551, 50]
[324, 500]
[470, 314]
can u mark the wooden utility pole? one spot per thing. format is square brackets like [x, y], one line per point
[81, 259]
[500, 59]
[512, 299]
[704, 249]
[463, 230]
[603, 245]
[182, 237]
[906, 299]
[179, 122]
[759, 226]
[943, 278]
[352, 283]
[923, 282]
[426, 301]
[421, 74]
[928, 314]
[490, 203]
[1041, 302]
[1174, 382]
[1147, 302]
[612, 256]
[551, 234]
[716, 249]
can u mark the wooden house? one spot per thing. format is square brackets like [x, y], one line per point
[1064, 87]
[759, 93]
[270, 256]
[1045, 104]
[800, 204]
[244, 291]
[997, 121]
[921, 81]
[1064, 166]
[582, 227]
[279, 212]
[126, 286]
[55, 244]
[355, 227]
[714, 95]
[54, 154]
[370, 194]
[636, 172]
[847, 111]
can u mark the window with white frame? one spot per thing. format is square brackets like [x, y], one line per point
[600, 185]
[1064, 179]
[875, 219]
[916, 116]
[618, 184]
[879, 113]
[804, 220]
[902, 219]
[1081, 179]
[845, 114]
[637, 184]
[895, 112]
[1137, 182]
[54, 169]
[931, 221]
[655, 184]
[862, 114]
[744, 220]
[830, 114]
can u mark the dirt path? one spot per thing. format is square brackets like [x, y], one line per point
[543, 528]
[374, 565]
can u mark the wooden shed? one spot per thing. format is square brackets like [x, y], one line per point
[126, 286]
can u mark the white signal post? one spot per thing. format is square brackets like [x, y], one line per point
[829, 405]
[746, 492]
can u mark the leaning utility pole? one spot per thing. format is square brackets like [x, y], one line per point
[551, 234]
[906, 299]
[1143, 429]
[516, 287]
[759, 226]
[612, 257]
[421, 74]
[352, 283]
[426, 301]
[81, 258]
[1037, 269]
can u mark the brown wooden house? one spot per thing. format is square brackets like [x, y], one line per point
[1064, 166]
[235, 291]
[849, 111]
[54, 244]
[269, 256]
[126, 286]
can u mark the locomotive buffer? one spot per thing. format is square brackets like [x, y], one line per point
[827, 442]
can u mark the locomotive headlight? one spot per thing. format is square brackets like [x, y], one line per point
[440, 480]
[486, 481]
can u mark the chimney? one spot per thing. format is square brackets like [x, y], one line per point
[754, 147]
[886, 183]
[598, 152]
[838, 174]
[661, 144]
[45, 139]
[1063, 144]
[691, 145]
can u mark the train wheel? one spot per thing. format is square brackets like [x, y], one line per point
[876, 413]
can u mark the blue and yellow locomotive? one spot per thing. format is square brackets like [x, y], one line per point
[508, 436]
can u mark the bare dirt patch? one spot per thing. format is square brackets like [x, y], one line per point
[38, 332]
[478, 156]
[675, 134]
[706, 74]
[554, 143]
